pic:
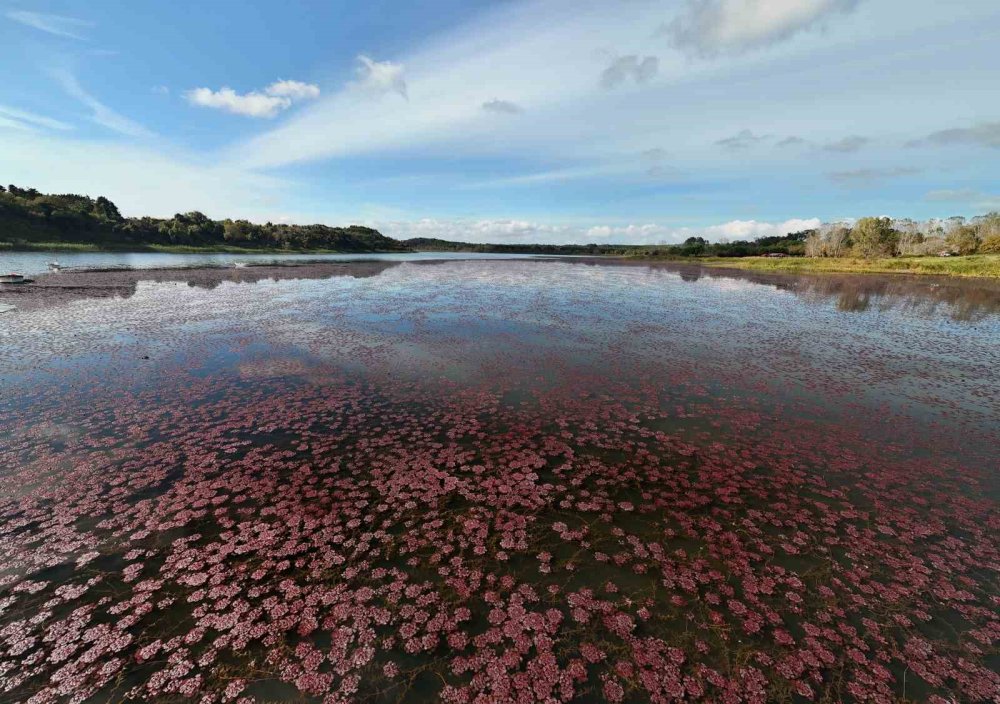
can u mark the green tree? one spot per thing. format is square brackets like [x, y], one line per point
[874, 237]
[107, 210]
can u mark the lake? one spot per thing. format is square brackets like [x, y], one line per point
[480, 479]
[33, 263]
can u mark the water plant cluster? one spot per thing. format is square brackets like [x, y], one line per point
[256, 517]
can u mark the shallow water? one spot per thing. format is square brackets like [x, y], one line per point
[33, 263]
[499, 481]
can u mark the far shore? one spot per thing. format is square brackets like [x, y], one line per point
[972, 266]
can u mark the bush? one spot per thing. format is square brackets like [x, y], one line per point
[990, 245]
[874, 237]
[963, 240]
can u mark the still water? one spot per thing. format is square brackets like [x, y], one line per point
[32, 263]
[488, 480]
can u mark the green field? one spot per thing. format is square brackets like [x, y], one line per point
[976, 265]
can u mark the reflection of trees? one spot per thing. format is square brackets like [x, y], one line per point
[853, 301]
[51, 291]
[965, 300]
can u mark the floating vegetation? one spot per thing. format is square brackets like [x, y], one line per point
[497, 482]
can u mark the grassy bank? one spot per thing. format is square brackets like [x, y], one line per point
[126, 248]
[977, 265]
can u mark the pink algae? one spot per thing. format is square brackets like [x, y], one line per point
[318, 528]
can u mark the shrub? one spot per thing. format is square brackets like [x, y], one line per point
[963, 240]
[990, 245]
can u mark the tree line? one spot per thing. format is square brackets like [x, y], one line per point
[873, 237]
[26, 215]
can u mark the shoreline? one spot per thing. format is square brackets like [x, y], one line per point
[976, 266]
[981, 266]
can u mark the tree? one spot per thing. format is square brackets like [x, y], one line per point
[874, 237]
[963, 240]
[829, 241]
[104, 208]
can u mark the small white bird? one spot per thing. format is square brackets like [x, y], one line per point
[55, 266]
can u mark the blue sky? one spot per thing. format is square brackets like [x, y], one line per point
[507, 120]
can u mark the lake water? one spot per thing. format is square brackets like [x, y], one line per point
[498, 480]
[33, 263]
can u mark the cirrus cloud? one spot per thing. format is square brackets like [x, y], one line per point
[57, 25]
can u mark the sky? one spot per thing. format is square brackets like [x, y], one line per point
[633, 121]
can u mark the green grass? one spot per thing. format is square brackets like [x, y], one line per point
[976, 265]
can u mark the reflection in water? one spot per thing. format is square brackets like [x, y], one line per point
[58, 289]
[960, 299]
[964, 299]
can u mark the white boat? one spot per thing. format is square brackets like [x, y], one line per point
[240, 265]
[55, 266]
[11, 279]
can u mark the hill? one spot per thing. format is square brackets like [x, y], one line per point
[28, 217]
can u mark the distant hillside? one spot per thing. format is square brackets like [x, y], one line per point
[29, 217]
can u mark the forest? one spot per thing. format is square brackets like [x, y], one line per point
[29, 217]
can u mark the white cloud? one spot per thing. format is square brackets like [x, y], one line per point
[100, 113]
[58, 25]
[251, 104]
[502, 107]
[293, 90]
[22, 119]
[380, 77]
[276, 97]
[623, 68]
[710, 27]
[547, 54]
[517, 231]
[751, 229]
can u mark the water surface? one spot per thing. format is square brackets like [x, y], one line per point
[32, 263]
[481, 480]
